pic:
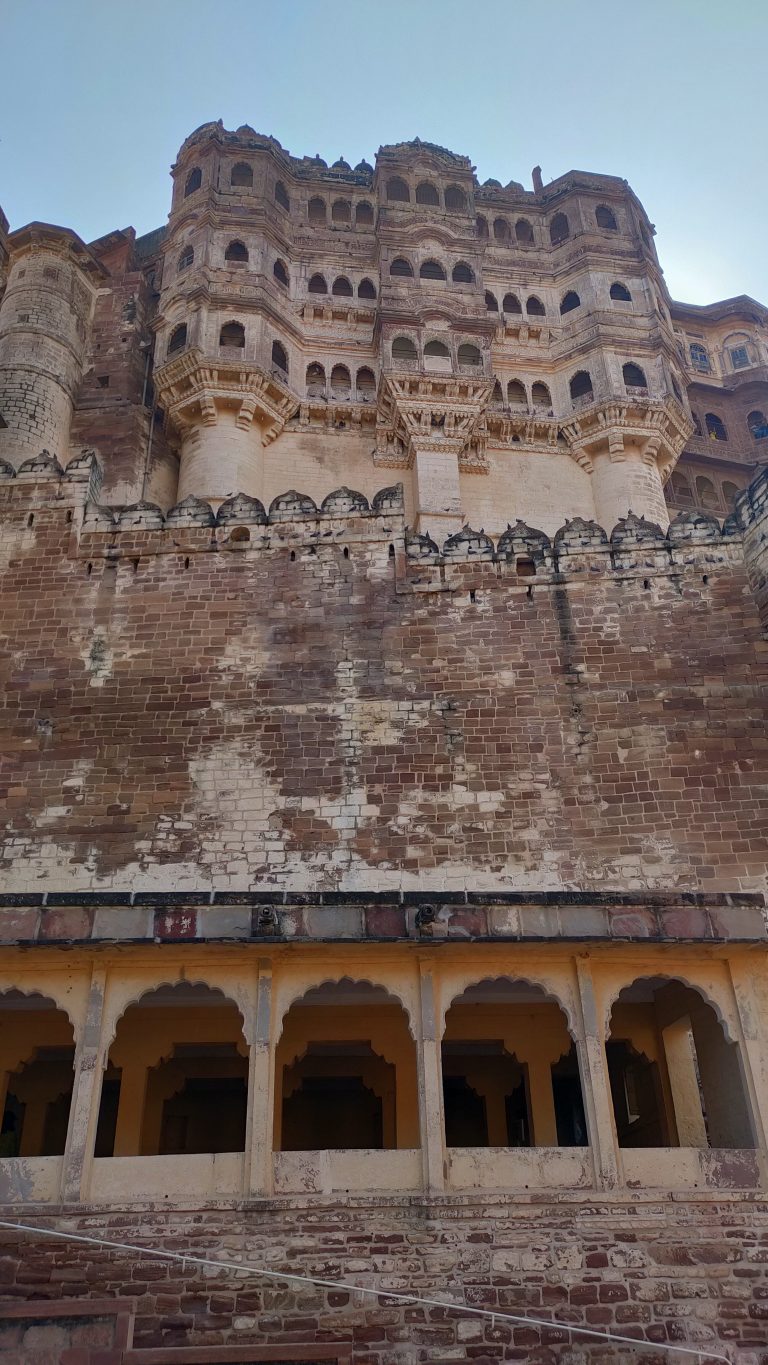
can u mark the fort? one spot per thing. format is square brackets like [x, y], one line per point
[384, 567]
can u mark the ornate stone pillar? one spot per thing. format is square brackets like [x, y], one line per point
[430, 1078]
[259, 1165]
[595, 1086]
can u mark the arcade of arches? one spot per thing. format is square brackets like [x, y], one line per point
[452, 1073]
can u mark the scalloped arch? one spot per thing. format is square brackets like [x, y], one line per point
[539, 983]
[345, 980]
[43, 995]
[172, 983]
[668, 977]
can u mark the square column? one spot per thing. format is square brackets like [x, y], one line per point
[430, 1077]
[86, 1095]
[437, 493]
[595, 1086]
[259, 1164]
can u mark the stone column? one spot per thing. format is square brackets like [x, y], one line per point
[437, 493]
[627, 481]
[259, 1164]
[130, 1108]
[221, 457]
[430, 1083]
[86, 1095]
[595, 1086]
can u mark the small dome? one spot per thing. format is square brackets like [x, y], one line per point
[318, 161]
[491, 184]
[341, 165]
[245, 130]
[364, 166]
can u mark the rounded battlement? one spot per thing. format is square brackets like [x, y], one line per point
[44, 320]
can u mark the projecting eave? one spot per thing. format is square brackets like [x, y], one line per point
[743, 306]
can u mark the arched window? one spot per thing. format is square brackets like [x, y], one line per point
[397, 191]
[341, 383]
[534, 307]
[366, 289]
[715, 427]
[481, 224]
[469, 355]
[178, 339]
[501, 230]
[279, 358]
[581, 385]
[634, 376]
[280, 273]
[431, 270]
[427, 194]
[317, 211]
[541, 396]
[455, 199]
[364, 214]
[462, 273]
[437, 349]
[404, 349]
[315, 380]
[186, 258]
[706, 494]
[699, 357]
[730, 494]
[317, 285]
[341, 212]
[236, 251]
[680, 492]
[342, 288]
[524, 232]
[619, 293]
[232, 334]
[193, 181]
[606, 218]
[758, 424]
[516, 393]
[366, 385]
[737, 348]
[38, 1056]
[559, 229]
[570, 301]
[401, 268]
[281, 196]
[512, 304]
[242, 175]
[491, 302]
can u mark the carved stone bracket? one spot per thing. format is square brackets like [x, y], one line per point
[191, 389]
[441, 414]
[656, 429]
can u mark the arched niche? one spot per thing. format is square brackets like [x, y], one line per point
[37, 1054]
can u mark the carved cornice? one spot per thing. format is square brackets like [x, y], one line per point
[190, 387]
[658, 428]
[420, 412]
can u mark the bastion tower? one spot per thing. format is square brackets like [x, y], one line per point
[383, 778]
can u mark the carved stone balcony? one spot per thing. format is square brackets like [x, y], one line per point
[192, 387]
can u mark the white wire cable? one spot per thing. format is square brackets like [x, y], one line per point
[244, 1269]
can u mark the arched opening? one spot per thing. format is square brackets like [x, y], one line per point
[541, 396]
[193, 181]
[491, 302]
[176, 1080]
[241, 176]
[570, 301]
[715, 427]
[427, 194]
[534, 307]
[524, 232]
[699, 357]
[280, 359]
[619, 293]
[510, 1070]
[316, 211]
[469, 355]
[559, 229]
[281, 196]
[178, 339]
[315, 380]
[501, 231]
[706, 494]
[397, 191]
[481, 225]
[341, 211]
[431, 270]
[342, 288]
[404, 349]
[634, 376]
[401, 268]
[455, 199]
[738, 350]
[516, 393]
[341, 383]
[366, 289]
[186, 258]
[512, 304]
[317, 285]
[679, 491]
[280, 273]
[730, 493]
[675, 1078]
[232, 334]
[37, 1052]
[581, 387]
[366, 385]
[364, 214]
[497, 397]
[462, 273]
[236, 251]
[758, 424]
[345, 1072]
[605, 218]
[437, 356]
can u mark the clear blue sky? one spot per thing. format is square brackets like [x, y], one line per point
[96, 97]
